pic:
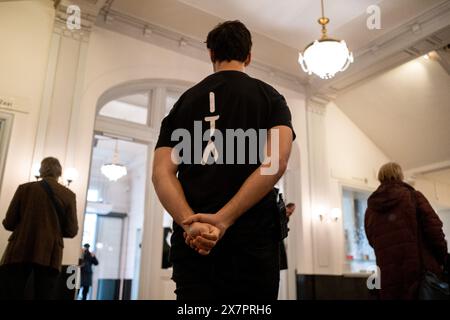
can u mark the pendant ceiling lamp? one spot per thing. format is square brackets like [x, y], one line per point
[114, 170]
[326, 56]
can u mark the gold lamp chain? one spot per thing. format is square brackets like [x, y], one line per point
[116, 153]
[323, 22]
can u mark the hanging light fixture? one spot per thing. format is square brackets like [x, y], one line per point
[326, 56]
[114, 171]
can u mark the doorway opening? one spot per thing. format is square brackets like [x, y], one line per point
[359, 255]
[124, 222]
[114, 217]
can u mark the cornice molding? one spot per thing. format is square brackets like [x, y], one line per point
[435, 167]
[317, 104]
[145, 31]
[443, 57]
[89, 10]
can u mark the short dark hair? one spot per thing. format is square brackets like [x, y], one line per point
[290, 204]
[230, 40]
[50, 167]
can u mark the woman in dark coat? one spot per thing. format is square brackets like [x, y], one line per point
[87, 260]
[405, 233]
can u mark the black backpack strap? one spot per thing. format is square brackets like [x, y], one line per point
[58, 209]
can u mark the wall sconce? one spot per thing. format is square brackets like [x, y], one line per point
[70, 174]
[35, 170]
[335, 214]
[330, 215]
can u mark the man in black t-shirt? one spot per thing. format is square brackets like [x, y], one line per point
[221, 150]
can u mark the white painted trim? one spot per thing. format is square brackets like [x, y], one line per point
[125, 130]
[76, 104]
[428, 169]
[5, 137]
[47, 97]
[139, 86]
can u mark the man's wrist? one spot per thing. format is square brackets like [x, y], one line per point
[186, 228]
[224, 219]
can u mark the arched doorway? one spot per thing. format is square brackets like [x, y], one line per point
[123, 219]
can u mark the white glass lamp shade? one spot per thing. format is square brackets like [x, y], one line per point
[114, 171]
[325, 58]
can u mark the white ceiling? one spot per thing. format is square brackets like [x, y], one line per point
[406, 112]
[291, 22]
[279, 28]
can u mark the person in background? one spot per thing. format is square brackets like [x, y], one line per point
[86, 261]
[40, 215]
[406, 234]
[290, 208]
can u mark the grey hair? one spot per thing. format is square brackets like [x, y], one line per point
[50, 167]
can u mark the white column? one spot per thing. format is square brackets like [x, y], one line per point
[319, 179]
[25, 33]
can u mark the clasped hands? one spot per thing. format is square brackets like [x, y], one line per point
[203, 231]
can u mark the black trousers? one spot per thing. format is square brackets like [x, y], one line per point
[27, 282]
[234, 272]
[85, 291]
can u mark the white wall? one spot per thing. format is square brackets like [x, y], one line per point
[436, 192]
[25, 33]
[340, 154]
[353, 157]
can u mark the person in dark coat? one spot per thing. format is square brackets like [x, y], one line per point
[87, 260]
[33, 256]
[406, 234]
[290, 208]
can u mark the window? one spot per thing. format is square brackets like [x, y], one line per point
[89, 230]
[93, 195]
[171, 98]
[132, 108]
[359, 254]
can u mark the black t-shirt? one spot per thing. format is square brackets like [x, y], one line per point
[243, 107]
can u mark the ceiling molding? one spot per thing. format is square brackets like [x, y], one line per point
[89, 10]
[145, 31]
[420, 35]
[443, 57]
[317, 104]
[435, 167]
